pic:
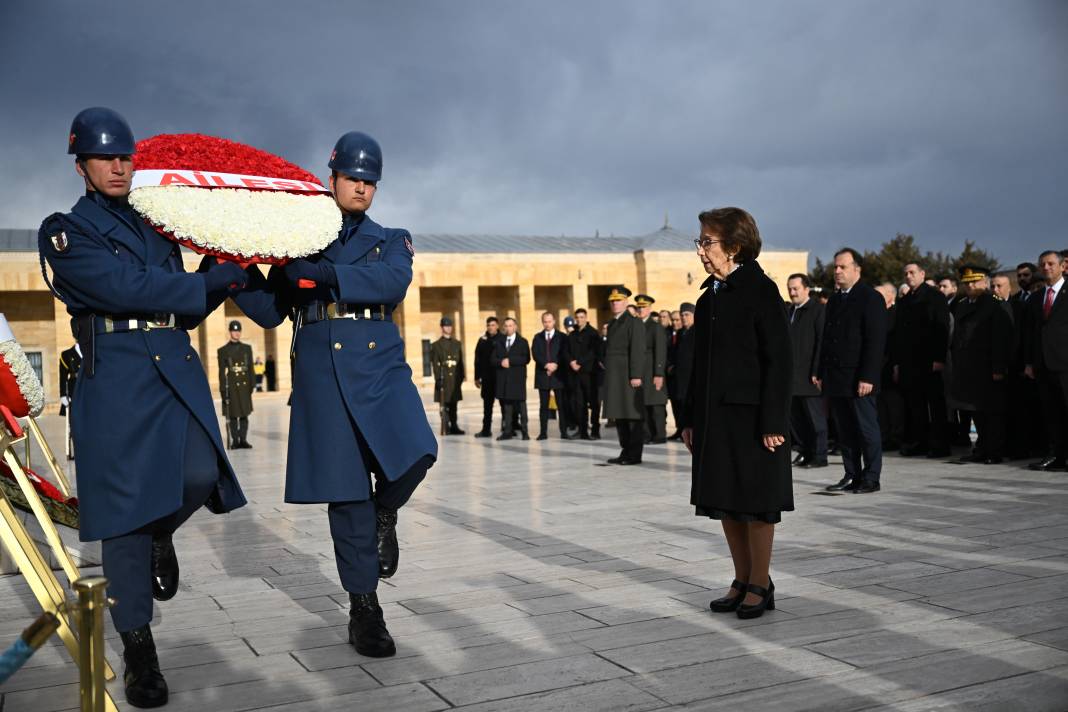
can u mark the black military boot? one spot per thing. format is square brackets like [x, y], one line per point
[164, 569]
[388, 549]
[367, 627]
[145, 686]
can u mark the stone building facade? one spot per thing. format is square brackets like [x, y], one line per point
[465, 277]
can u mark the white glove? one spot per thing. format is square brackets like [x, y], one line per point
[64, 401]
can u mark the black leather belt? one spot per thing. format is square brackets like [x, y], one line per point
[320, 311]
[109, 324]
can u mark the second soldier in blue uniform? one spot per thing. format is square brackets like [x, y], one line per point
[356, 412]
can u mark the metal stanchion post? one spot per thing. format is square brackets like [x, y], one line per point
[92, 602]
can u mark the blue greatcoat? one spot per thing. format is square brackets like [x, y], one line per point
[353, 395]
[130, 418]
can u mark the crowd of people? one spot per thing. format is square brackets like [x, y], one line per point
[627, 372]
[941, 354]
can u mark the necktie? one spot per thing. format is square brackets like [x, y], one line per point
[1047, 305]
[793, 313]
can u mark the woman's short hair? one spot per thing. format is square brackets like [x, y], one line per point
[737, 229]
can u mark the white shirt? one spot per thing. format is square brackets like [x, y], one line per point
[1056, 290]
[550, 334]
[509, 341]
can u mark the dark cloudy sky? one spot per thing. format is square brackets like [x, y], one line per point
[832, 122]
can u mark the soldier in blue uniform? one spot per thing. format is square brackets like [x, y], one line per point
[356, 411]
[149, 449]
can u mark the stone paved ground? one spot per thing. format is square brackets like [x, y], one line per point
[532, 579]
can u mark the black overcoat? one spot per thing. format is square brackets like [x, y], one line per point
[740, 391]
[681, 365]
[982, 346]
[806, 333]
[485, 371]
[512, 381]
[921, 336]
[854, 340]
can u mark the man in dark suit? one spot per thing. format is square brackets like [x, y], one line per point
[549, 349]
[584, 346]
[1047, 357]
[511, 354]
[918, 354]
[486, 374]
[680, 365]
[851, 357]
[1026, 277]
[808, 421]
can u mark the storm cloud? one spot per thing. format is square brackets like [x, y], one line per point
[833, 122]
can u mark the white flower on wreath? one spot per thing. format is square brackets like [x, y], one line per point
[25, 376]
[240, 222]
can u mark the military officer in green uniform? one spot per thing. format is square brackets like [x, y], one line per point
[654, 393]
[447, 361]
[235, 386]
[624, 365]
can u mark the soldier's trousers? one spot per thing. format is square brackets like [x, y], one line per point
[127, 559]
[451, 416]
[353, 527]
[631, 438]
[238, 429]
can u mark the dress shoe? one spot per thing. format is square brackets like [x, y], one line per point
[729, 604]
[454, 430]
[675, 436]
[993, 460]
[767, 602]
[843, 485]
[483, 434]
[939, 453]
[145, 686]
[585, 436]
[913, 450]
[1049, 464]
[164, 569]
[658, 441]
[799, 459]
[615, 460]
[388, 549]
[866, 487]
[543, 436]
[815, 463]
[595, 435]
[367, 627]
[526, 436]
[505, 436]
[625, 461]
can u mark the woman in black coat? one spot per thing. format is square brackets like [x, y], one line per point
[736, 414]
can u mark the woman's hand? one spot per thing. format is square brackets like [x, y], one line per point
[687, 439]
[772, 441]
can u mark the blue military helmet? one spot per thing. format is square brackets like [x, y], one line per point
[357, 155]
[100, 131]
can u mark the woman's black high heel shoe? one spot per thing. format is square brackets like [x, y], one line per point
[766, 604]
[729, 603]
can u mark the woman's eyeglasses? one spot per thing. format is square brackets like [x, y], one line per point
[704, 244]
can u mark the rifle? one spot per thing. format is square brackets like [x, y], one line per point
[443, 409]
[226, 404]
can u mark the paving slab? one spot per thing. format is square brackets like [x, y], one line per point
[531, 580]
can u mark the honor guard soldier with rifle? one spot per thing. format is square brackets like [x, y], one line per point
[149, 448]
[624, 365]
[356, 411]
[70, 364]
[447, 363]
[654, 392]
[236, 386]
